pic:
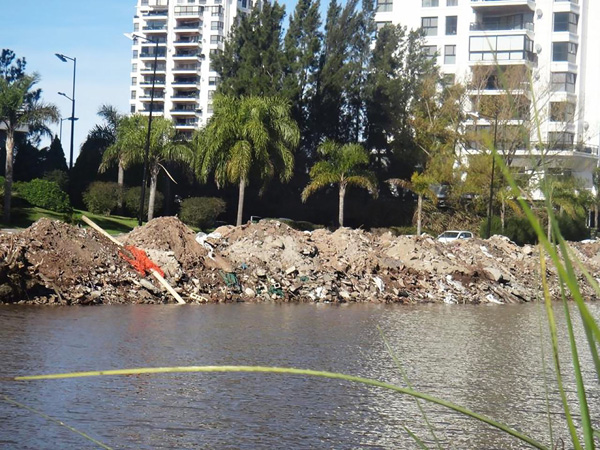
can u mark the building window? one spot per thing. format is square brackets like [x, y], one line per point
[132, 109]
[563, 81]
[448, 79]
[559, 140]
[451, 25]
[211, 94]
[215, 39]
[451, 2]
[144, 2]
[564, 51]
[216, 10]
[430, 3]
[134, 67]
[562, 112]
[136, 27]
[430, 51]
[384, 5]
[565, 21]
[133, 95]
[135, 54]
[449, 54]
[213, 81]
[133, 81]
[215, 25]
[429, 25]
[501, 48]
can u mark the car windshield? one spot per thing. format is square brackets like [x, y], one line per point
[449, 234]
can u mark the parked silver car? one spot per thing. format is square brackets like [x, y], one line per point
[449, 236]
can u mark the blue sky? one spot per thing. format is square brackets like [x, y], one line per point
[89, 30]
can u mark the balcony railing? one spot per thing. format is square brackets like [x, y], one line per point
[151, 55]
[477, 26]
[154, 28]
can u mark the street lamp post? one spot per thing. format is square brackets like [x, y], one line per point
[147, 149]
[65, 58]
[61, 122]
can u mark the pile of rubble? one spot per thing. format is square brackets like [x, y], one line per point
[55, 263]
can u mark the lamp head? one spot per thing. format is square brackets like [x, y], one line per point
[61, 57]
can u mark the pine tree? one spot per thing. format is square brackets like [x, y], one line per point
[54, 157]
[252, 61]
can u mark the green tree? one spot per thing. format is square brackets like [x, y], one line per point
[420, 184]
[54, 157]
[343, 165]
[20, 107]
[397, 70]
[252, 60]
[244, 136]
[131, 144]
[107, 132]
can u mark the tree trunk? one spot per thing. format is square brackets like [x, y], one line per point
[120, 181]
[341, 210]
[152, 196]
[549, 229]
[596, 214]
[419, 212]
[240, 210]
[502, 214]
[8, 174]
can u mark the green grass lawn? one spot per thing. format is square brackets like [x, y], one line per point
[23, 217]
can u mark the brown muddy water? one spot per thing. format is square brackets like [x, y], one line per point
[487, 358]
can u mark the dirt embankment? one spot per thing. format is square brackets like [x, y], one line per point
[55, 263]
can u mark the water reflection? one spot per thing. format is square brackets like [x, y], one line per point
[485, 358]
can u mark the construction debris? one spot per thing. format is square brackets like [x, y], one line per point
[59, 264]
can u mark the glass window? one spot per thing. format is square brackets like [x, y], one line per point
[215, 25]
[451, 25]
[429, 25]
[562, 112]
[430, 3]
[136, 27]
[449, 54]
[380, 25]
[563, 81]
[213, 81]
[384, 5]
[564, 51]
[134, 67]
[133, 81]
[132, 109]
[133, 95]
[215, 39]
[451, 2]
[430, 51]
[559, 140]
[565, 21]
[135, 54]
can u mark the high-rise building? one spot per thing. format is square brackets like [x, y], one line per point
[548, 41]
[184, 33]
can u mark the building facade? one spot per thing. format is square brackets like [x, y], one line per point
[552, 43]
[180, 35]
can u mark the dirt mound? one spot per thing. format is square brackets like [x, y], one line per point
[169, 234]
[52, 262]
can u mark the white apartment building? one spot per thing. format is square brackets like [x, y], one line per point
[187, 33]
[557, 40]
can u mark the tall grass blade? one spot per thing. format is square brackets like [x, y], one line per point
[56, 421]
[545, 372]
[586, 423]
[407, 382]
[555, 354]
[419, 442]
[288, 370]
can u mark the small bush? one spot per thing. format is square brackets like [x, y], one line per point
[44, 194]
[201, 212]
[573, 229]
[60, 177]
[520, 231]
[131, 200]
[496, 227]
[101, 197]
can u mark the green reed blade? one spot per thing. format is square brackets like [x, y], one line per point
[289, 370]
[555, 352]
[419, 442]
[545, 372]
[407, 382]
[56, 421]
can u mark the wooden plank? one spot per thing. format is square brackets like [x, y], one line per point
[154, 273]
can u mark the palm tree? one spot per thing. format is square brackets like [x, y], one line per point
[20, 109]
[566, 193]
[343, 165]
[112, 152]
[244, 135]
[420, 184]
[130, 146]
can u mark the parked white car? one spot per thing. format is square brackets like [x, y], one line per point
[449, 236]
